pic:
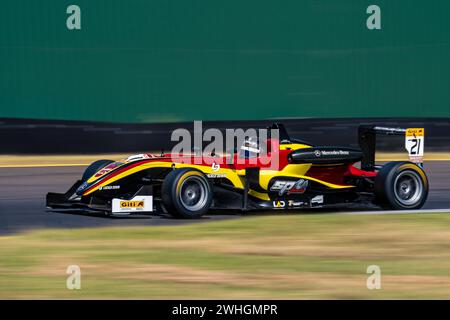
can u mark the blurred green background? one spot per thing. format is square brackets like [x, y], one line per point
[171, 60]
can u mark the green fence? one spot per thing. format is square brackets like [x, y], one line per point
[167, 60]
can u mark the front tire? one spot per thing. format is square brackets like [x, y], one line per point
[186, 193]
[401, 186]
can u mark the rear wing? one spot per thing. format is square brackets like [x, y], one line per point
[414, 143]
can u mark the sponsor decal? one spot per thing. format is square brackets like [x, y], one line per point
[107, 169]
[137, 204]
[216, 175]
[83, 187]
[415, 132]
[319, 153]
[293, 203]
[132, 204]
[215, 167]
[289, 186]
[317, 199]
[109, 188]
[102, 172]
[414, 144]
[279, 204]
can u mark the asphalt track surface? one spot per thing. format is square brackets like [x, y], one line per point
[23, 190]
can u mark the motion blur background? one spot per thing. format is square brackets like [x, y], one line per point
[176, 60]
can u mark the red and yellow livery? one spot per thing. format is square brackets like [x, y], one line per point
[304, 176]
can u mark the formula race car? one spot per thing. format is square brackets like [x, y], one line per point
[305, 176]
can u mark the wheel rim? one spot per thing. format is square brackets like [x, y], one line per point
[194, 193]
[408, 188]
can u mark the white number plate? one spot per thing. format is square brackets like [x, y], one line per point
[414, 143]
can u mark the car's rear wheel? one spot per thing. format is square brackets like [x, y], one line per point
[186, 193]
[401, 186]
[94, 167]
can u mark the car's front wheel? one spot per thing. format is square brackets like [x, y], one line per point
[186, 193]
[401, 186]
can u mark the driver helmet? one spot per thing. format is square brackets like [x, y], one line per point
[249, 149]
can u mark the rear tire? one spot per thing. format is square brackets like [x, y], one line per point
[94, 167]
[186, 193]
[401, 186]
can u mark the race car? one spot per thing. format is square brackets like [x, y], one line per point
[305, 177]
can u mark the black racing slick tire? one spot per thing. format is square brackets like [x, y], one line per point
[94, 167]
[401, 185]
[186, 193]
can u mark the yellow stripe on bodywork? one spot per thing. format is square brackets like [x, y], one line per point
[293, 146]
[236, 177]
[296, 171]
[129, 172]
[259, 195]
[231, 175]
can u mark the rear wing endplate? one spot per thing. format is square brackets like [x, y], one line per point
[414, 143]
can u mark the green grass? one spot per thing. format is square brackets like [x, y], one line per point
[276, 257]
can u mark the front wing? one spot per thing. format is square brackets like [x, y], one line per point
[143, 201]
